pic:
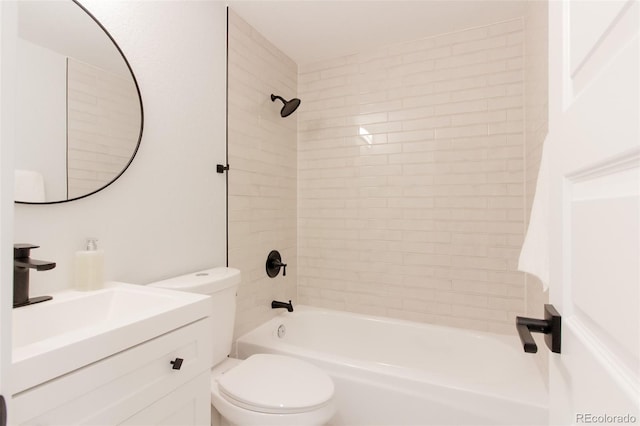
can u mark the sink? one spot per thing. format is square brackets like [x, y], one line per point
[78, 328]
[75, 312]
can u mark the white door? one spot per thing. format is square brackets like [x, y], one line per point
[594, 143]
[8, 34]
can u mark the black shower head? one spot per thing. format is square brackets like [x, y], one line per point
[289, 106]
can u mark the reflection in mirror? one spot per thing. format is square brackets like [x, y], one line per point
[79, 117]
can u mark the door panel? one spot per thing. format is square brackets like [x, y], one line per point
[598, 29]
[604, 280]
[595, 214]
[604, 274]
[8, 37]
[588, 24]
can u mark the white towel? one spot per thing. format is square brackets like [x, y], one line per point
[534, 257]
[29, 186]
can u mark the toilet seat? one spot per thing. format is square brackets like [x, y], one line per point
[276, 384]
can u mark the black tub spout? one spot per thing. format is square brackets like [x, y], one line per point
[288, 306]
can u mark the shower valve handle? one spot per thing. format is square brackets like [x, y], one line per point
[274, 263]
[283, 265]
[277, 264]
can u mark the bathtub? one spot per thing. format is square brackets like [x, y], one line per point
[394, 372]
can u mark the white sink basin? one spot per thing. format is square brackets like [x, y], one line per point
[77, 328]
[89, 312]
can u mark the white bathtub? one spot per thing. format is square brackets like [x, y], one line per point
[392, 372]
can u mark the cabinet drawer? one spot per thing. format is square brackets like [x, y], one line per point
[121, 385]
[189, 405]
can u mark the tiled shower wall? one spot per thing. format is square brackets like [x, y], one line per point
[536, 127]
[103, 125]
[536, 107]
[411, 196]
[262, 178]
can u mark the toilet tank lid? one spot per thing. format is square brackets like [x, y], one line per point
[207, 281]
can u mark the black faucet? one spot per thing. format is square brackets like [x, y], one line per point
[288, 306]
[21, 265]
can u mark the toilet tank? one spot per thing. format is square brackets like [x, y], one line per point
[222, 285]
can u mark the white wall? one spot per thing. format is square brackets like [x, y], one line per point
[166, 215]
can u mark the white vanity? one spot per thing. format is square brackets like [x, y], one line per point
[111, 356]
[124, 354]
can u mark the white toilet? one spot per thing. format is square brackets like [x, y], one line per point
[264, 389]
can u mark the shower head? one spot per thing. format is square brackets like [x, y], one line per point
[289, 106]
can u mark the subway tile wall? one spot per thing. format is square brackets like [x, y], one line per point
[536, 107]
[103, 126]
[411, 198]
[536, 127]
[262, 178]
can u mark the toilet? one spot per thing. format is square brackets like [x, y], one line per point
[264, 389]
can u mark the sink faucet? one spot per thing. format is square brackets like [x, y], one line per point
[21, 265]
[288, 306]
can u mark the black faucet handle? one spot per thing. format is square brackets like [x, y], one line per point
[283, 265]
[274, 263]
[22, 259]
[22, 250]
[38, 265]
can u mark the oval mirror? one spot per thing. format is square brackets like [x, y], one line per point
[79, 112]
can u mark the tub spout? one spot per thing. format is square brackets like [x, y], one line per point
[288, 306]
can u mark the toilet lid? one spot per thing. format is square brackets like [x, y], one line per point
[277, 384]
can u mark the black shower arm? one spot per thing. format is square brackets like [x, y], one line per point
[274, 97]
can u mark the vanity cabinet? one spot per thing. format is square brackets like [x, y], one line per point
[137, 386]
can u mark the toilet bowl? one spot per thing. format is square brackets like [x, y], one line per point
[272, 390]
[264, 389]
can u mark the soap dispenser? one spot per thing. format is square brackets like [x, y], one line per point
[89, 267]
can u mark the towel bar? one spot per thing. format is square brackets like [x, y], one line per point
[550, 326]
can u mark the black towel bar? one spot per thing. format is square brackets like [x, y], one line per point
[550, 326]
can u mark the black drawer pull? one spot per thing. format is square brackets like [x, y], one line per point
[177, 363]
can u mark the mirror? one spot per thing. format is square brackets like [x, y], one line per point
[79, 113]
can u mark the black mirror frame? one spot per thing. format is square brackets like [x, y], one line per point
[135, 151]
